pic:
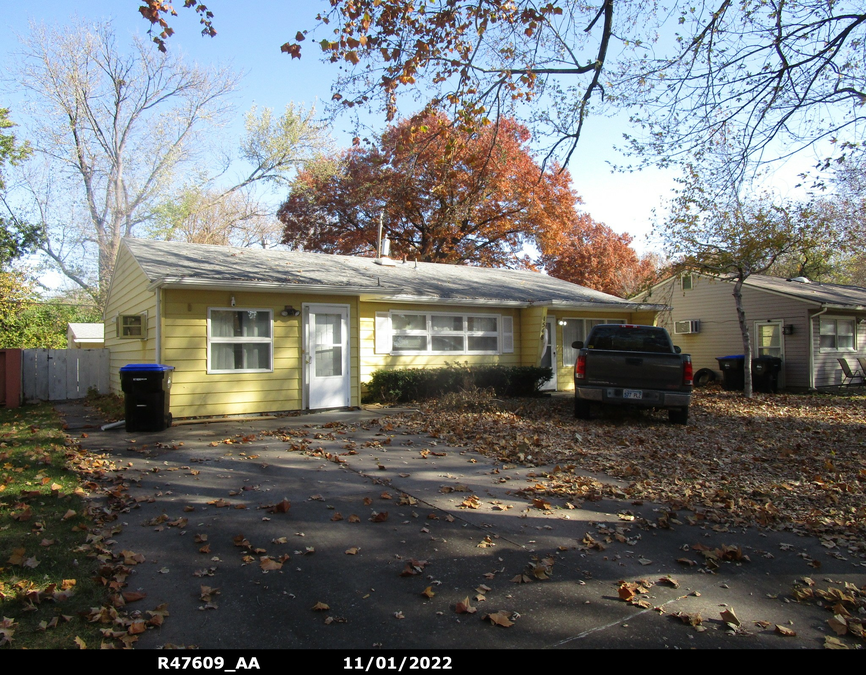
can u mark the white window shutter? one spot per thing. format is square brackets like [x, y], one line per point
[507, 335]
[383, 333]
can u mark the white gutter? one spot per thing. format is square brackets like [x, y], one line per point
[261, 286]
[157, 350]
[610, 307]
[433, 299]
[848, 308]
[377, 293]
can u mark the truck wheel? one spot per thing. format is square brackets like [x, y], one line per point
[581, 409]
[678, 415]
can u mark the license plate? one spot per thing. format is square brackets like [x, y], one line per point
[632, 393]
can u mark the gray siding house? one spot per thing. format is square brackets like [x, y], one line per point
[809, 325]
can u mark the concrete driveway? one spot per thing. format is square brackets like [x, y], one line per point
[340, 531]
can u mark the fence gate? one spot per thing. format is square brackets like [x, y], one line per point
[61, 374]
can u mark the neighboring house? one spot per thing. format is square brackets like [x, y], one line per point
[808, 325]
[251, 330]
[85, 335]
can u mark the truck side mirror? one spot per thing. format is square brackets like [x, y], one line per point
[677, 350]
[577, 344]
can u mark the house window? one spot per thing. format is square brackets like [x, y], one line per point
[240, 340]
[413, 333]
[131, 326]
[578, 329]
[837, 334]
[687, 282]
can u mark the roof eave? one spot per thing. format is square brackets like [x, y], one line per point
[850, 308]
[174, 283]
[611, 306]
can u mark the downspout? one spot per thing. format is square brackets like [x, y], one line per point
[157, 351]
[812, 346]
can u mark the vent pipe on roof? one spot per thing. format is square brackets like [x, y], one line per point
[383, 247]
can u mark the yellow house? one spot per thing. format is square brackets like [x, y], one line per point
[252, 330]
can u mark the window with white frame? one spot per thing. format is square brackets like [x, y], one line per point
[837, 334]
[578, 329]
[240, 340]
[435, 333]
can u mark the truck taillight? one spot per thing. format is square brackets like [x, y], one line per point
[688, 379]
[580, 367]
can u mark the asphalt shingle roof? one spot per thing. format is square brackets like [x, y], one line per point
[831, 294]
[176, 261]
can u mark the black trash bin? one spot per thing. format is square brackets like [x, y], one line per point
[733, 377]
[765, 374]
[146, 396]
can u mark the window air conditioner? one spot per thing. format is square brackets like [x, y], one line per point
[687, 327]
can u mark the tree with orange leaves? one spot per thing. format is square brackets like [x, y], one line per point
[443, 194]
[592, 254]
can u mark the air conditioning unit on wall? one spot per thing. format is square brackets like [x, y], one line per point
[687, 327]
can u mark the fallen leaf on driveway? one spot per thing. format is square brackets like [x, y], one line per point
[838, 624]
[463, 607]
[785, 631]
[500, 618]
[269, 564]
[728, 616]
[281, 507]
[320, 607]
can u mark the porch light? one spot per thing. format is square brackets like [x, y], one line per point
[788, 329]
[290, 311]
[562, 322]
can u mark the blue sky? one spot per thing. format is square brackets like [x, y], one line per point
[249, 39]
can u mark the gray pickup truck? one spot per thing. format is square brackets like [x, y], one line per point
[632, 365]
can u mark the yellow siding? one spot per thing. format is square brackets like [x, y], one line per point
[128, 295]
[528, 333]
[371, 361]
[532, 335]
[196, 393]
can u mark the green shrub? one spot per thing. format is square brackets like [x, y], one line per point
[415, 384]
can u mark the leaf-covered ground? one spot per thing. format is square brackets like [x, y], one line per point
[780, 461]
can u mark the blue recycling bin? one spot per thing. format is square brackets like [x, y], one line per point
[146, 396]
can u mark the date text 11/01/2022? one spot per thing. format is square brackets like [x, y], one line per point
[399, 664]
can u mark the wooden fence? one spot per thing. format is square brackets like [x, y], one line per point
[61, 374]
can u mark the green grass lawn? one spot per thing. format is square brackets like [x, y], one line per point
[56, 568]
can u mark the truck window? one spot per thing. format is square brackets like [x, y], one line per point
[630, 339]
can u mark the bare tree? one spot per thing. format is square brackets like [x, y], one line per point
[768, 77]
[272, 150]
[113, 127]
[735, 234]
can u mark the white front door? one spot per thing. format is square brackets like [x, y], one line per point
[326, 356]
[548, 358]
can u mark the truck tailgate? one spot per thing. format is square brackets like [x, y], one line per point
[640, 371]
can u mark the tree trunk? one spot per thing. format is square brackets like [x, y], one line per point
[747, 342]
